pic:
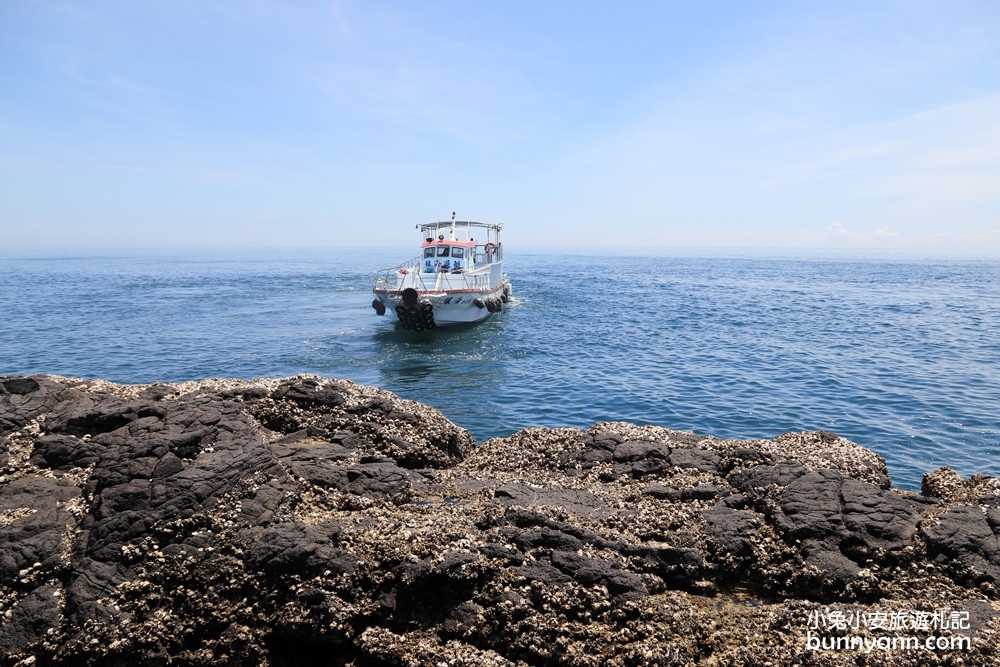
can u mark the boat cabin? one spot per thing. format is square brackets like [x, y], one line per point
[451, 247]
[448, 256]
[458, 259]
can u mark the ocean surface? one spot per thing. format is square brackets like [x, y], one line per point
[899, 354]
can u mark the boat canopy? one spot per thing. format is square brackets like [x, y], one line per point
[461, 231]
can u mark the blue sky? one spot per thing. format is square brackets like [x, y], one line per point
[738, 124]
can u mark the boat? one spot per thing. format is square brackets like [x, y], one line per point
[458, 277]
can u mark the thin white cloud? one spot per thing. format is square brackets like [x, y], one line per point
[901, 180]
[838, 231]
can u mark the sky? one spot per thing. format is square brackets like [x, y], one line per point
[856, 125]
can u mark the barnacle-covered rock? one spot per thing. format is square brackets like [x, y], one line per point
[314, 521]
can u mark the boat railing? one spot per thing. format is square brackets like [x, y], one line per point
[392, 280]
[388, 279]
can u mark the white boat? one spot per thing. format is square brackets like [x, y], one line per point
[457, 279]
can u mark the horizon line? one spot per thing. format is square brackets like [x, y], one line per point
[980, 253]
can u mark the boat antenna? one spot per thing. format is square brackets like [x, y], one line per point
[453, 225]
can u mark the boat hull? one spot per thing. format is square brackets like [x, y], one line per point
[447, 308]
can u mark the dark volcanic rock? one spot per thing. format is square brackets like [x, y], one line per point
[588, 571]
[629, 452]
[701, 492]
[19, 386]
[383, 478]
[430, 589]
[24, 399]
[35, 538]
[64, 452]
[782, 474]
[678, 568]
[309, 392]
[314, 521]
[31, 619]
[293, 547]
[844, 525]
[733, 531]
[700, 459]
[971, 535]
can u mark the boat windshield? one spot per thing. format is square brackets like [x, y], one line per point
[443, 251]
[428, 252]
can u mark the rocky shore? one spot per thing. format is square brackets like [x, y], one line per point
[308, 521]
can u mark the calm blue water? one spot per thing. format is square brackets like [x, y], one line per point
[900, 355]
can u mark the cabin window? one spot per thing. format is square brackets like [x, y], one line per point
[428, 252]
[458, 252]
[443, 251]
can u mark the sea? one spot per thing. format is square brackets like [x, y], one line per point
[900, 354]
